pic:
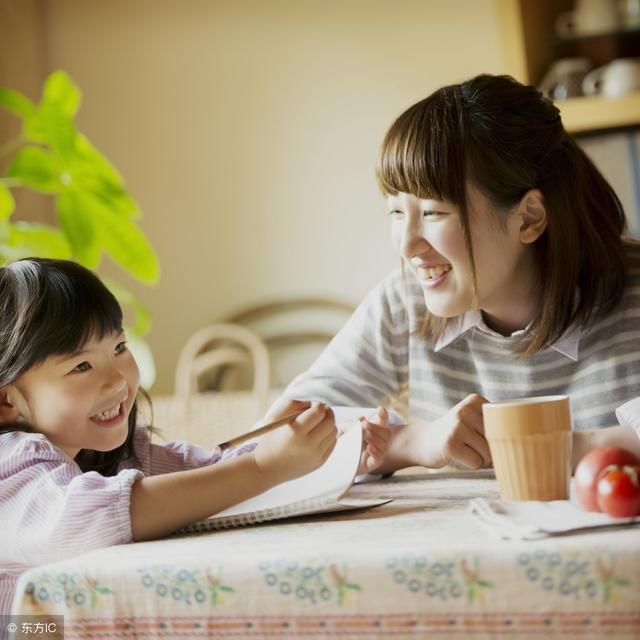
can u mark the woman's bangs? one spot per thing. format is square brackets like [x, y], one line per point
[422, 154]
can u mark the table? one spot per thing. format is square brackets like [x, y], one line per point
[417, 567]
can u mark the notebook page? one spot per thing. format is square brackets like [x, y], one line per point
[331, 480]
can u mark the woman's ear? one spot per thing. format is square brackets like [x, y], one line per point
[533, 214]
[8, 411]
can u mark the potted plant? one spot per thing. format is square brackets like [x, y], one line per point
[96, 215]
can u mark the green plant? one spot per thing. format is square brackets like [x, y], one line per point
[95, 212]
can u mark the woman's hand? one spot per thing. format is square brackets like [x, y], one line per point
[299, 447]
[457, 436]
[376, 436]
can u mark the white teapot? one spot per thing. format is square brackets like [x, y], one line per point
[613, 80]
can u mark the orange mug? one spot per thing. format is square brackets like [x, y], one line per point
[530, 441]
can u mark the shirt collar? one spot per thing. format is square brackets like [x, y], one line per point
[566, 344]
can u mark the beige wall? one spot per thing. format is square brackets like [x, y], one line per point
[248, 130]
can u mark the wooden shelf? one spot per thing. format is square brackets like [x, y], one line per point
[529, 47]
[596, 112]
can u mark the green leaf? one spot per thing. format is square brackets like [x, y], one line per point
[80, 227]
[128, 246]
[126, 298]
[622, 582]
[36, 168]
[16, 103]
[62, 93]
[351, 585]
[227, 589]
[31, 239]
[92, 171]
[50, 126]
[7, 203]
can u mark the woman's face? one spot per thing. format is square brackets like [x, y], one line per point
[428, 235]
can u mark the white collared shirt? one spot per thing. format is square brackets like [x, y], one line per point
[567, 344]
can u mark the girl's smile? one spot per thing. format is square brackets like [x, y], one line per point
[111, 417]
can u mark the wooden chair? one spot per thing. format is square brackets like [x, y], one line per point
[294, 331]
[217, 346]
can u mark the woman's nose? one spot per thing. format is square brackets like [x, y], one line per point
[413, 238]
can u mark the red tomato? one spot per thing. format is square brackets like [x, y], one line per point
[590, 467]
[619, 491]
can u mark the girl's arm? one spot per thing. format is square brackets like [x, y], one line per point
[163, 503]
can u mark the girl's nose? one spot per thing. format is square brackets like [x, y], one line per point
[114, 381]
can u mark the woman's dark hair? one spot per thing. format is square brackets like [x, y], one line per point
[53, 307]
[506, 138]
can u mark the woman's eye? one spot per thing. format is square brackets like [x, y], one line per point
[121, 347]
[83, 366]
[396, 214]
[432, 214]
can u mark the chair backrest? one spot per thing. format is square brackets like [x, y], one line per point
[294, 331]
[217, 347]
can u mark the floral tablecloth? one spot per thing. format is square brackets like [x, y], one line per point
[417, 567]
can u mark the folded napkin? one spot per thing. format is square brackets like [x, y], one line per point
[532, 520]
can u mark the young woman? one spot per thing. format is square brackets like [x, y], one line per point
[76, 471]
[516, 280]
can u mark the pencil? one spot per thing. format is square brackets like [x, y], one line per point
[260, 431]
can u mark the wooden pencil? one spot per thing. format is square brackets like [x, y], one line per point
[260, 431]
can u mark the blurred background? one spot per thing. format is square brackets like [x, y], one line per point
[247, 130]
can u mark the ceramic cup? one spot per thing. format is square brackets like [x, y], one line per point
[564, 78]
[613, 80]
[530, 442]
[589, 17]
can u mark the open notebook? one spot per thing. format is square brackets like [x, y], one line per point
[321, 491]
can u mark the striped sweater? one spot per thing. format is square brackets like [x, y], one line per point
[380, 358]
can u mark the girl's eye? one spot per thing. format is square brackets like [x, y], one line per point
[83, 366]
[396, 214]
[121, 347]
[432, 214]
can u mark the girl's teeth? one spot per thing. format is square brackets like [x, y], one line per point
[108, 415]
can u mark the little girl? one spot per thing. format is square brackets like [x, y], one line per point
[76, 471]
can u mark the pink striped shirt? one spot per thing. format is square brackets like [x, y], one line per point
[51, 510]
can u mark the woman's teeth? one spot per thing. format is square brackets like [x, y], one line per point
[109, 414]
[429, 273]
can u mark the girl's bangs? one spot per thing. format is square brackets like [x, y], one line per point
[76, 310]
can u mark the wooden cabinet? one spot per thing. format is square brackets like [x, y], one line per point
[530, 45]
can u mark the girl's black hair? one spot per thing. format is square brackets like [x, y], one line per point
[54, 307]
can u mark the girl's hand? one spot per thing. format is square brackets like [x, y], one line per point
[459, 436]
[376, 436]
[297, 448]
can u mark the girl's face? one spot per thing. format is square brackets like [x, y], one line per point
[428, 235]
[81, 400]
